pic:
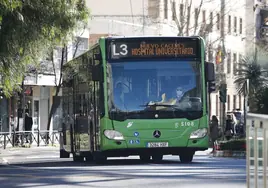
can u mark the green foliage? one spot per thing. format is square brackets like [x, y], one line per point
[262, 101]
[29, 28]
[252, 70]
[233, 145]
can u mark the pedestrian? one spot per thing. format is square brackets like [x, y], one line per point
[229, 129]
[214, 130]
[28, 127]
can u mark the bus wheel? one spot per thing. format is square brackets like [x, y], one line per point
[99, 158]
[78, 158]
[145, 158]
[157, 158]
[186, 157]
[64, 154]
[89, 158]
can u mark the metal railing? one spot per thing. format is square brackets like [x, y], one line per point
[257, 142]
[33, 138]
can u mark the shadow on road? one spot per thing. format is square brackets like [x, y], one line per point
[110, 162]
[116, 171]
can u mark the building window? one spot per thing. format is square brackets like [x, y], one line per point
[234, 64]
[174, 12]
[166, 9]
[228, 102]
[234, 102]
[217, 105]
[229, 24]
[181, 14]
[204, 16]
[196, 17]
[239, 62]
[228, 62]
[235, 24]
[218, 21]
[240, 26]
[211, 21]
[210, 54]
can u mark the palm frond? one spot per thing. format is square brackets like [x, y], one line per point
[250, 69]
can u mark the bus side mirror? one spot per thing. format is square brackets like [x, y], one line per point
[97, 73]
[209, 72]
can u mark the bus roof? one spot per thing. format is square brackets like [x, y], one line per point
[143, 37]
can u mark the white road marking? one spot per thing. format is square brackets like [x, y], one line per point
[42, 157]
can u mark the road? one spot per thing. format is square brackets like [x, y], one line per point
[41, 167]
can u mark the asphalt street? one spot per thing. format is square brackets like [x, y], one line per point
[42, 167]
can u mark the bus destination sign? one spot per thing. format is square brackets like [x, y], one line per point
[153, 49]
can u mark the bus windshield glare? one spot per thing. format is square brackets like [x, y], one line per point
[164, 85]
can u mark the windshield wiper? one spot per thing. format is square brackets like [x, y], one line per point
[174, 107]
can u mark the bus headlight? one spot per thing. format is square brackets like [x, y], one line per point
[113, 135]
[199, 133]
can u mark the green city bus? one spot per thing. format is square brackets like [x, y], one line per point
[145, 96]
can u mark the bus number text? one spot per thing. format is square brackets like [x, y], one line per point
[123, 50]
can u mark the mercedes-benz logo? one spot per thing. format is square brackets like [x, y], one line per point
[156, 133]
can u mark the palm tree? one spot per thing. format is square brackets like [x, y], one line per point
[252, 71]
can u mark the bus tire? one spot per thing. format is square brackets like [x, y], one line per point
[145, 158]
[99, 158]
[157, 158]
[186, 157]
[89, 158]
[64, 154]
[78, 158]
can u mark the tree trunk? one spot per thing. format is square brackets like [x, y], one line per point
[58, 86]
[52, 109]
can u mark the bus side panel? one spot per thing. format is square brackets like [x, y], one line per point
[82, 138]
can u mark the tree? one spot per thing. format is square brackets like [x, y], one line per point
[250, 69]
[262, 101]
[58, 81]
[28, 29]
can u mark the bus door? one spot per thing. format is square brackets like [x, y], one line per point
[96, 117]
[97, 99]
[81, 125]
[82, 129]
[76, 99]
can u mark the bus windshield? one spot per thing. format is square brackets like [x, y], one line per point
[166, 85]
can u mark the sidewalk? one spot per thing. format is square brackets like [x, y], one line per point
[19, 153]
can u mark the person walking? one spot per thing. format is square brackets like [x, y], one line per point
[28, 127]
[229, 129]
[214, 130]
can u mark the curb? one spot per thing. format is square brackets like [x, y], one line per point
[232, 154]
[3, 161]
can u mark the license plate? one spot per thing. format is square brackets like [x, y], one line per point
[157, 144]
